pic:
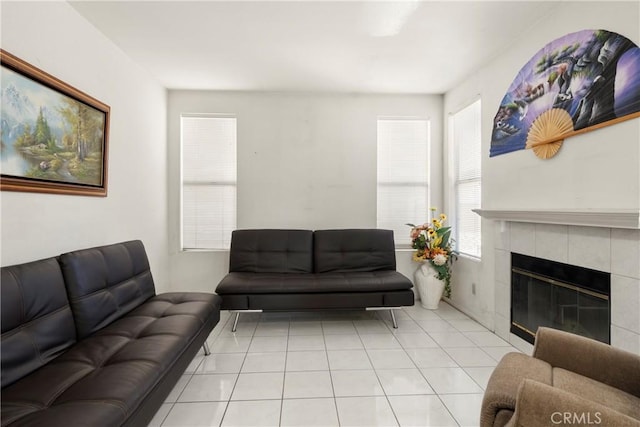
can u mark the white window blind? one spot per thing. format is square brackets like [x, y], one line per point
[466, 143]
[208, 181]
[403, 178]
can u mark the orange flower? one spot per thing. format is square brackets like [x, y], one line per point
[438, 251]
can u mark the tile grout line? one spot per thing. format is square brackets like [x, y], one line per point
[284, 374]
[224, 414]
[444, 405]
[333, 389]
[376, 373]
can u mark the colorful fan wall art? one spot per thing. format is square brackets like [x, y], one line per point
[575, 84]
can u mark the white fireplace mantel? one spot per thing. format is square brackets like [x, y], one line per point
[611, 218]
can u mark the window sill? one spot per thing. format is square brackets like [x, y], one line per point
[471, 258]
[202, 250]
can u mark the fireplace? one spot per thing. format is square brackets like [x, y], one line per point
[560, 296]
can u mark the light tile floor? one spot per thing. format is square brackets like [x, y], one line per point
[346, 368]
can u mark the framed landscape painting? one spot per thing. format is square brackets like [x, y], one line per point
[53, 137]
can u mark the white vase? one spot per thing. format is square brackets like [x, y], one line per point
[430, 288]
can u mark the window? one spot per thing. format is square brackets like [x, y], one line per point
[403, 178]
[464, 131]
[208, 180]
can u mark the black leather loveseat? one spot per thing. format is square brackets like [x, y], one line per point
[87, 342]
[295, 270]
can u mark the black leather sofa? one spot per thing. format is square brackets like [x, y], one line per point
[87, 342]
[297, 270]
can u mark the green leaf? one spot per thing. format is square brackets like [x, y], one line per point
[445, 240]
[443, 230]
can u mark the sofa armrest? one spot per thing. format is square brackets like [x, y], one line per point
[590, 358]
[502, 388]
[540, 404]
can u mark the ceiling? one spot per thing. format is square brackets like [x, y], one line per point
[424, 47]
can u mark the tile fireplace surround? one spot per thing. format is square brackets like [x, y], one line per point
[612, 250]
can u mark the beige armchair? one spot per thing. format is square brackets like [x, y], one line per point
[569, 380]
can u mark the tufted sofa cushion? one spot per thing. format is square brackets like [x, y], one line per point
[321, 270]
[271, 251]
[105, 283]
[37, 324]
[353, 250]
[130, 350]
[103, 379]
[276, 283]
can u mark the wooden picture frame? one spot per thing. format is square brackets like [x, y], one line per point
[54, 138]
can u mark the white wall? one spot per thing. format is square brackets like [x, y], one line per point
[54, 37]
[304, 161]
[599, 169]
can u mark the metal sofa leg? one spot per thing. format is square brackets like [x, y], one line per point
[393, 319]
[235, 322]
[393, 316]
[205, 347]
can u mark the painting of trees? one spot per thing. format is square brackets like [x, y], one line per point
[53, 137]
[85, 127]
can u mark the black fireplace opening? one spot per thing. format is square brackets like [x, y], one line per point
[560, 296]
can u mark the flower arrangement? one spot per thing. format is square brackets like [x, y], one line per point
[432, 242]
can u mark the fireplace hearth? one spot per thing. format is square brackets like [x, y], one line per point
[560, 296]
